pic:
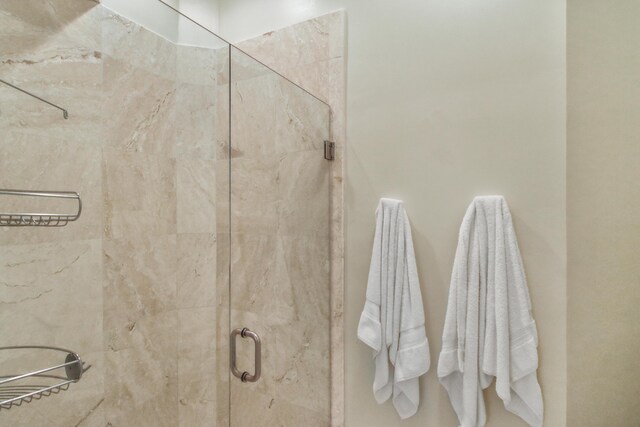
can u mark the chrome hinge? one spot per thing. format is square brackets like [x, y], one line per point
[329, 150]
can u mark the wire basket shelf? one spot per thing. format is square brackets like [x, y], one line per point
[17, 219]
[16, 389]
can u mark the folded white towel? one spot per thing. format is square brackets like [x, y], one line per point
[392, 322]
[489, 330]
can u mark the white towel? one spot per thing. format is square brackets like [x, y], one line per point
[392, 322]
[489, 330]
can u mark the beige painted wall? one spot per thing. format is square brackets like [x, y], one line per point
[463, 99]
[603, 201]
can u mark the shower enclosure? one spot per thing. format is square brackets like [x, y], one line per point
[197, 215]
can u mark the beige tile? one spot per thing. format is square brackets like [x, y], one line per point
[303, 190]
[141, 381]
[303, 335]
[196, 343]
[307, 290]
[254, 195]
[139, 194]
[139, 280]
[128, 42]
[23, 115]
[138, 109]
[288, 48]
[196, 119]
[302, 122]
[197, 402]
[50, 295]
[196, 275]
[197, 366]
[139, 170]
[254, 272]
[268, 410]
[196, 195]
[196, 65]
[303, 360]
[253, 124]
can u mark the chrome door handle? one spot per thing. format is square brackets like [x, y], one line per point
[245, 376]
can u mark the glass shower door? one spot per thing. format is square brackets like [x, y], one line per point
[279, 251]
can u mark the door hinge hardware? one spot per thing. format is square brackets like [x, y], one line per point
[329, 150]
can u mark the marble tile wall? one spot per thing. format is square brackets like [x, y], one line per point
[131, 285]
[312, 54]
[51, 279]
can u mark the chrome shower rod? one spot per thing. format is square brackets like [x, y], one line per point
[65, 114]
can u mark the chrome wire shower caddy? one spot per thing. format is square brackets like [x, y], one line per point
[40, 219]
[16, 389]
